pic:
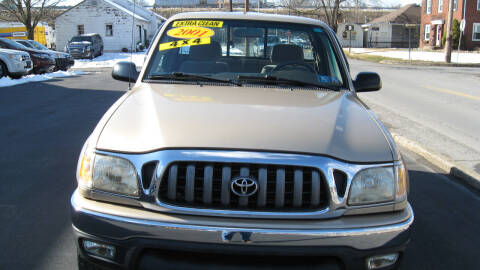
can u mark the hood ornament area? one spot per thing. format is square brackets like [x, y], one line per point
[244, 186]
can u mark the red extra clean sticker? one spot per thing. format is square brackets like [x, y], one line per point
[190, 32]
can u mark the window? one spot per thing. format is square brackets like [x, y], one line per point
[427, 32]
[476, 32]
[455, 4]
[80, 29]
[108, 30]
[428, 7]
[440, 6]
[478, 4]
[252, 50]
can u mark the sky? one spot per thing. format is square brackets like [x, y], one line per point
[386, 2]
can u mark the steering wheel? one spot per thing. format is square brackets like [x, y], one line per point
[281, 66]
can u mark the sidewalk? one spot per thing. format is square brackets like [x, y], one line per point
[415, 54]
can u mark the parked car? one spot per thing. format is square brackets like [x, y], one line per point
[14, 63]
[85, 46]
[213, 153]
[42, 62]
[63, 61]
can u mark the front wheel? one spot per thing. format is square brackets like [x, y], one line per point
[3, 70]
[85, 265]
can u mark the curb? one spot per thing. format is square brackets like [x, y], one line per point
[426, 63]
[466, 176]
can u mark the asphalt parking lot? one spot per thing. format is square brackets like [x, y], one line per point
[44, 124]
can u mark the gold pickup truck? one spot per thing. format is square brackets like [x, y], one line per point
[231, 146]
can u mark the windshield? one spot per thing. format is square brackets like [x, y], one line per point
[247, 50]
[37, 45]
[25, 43]
[14, 44]
[80, 39]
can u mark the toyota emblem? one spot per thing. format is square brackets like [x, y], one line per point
[244, 186]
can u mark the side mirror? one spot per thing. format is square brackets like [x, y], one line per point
[367, 82]
[125, 71]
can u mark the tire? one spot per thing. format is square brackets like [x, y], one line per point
[3, 70]
[16, 77]
[85, 265]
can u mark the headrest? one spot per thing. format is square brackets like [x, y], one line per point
[207, 52]
[282, 53]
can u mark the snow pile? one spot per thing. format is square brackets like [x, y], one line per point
[7, 81]
[464, 58]
[109, 60]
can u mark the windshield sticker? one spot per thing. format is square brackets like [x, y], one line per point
[190, 32]
[183, 43]
[317, 30]
[198, 23]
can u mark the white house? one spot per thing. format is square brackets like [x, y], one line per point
[112, 19]
[396, 29]
[353, 38]
[203, 3]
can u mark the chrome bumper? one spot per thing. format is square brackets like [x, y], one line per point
[117, 222]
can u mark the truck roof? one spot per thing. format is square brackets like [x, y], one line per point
[254, 16]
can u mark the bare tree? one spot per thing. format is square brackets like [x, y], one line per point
[28, 12]
[331, 11]
[328, 10]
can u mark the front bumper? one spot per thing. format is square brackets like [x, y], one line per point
[133, 230]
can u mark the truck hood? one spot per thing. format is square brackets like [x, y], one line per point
[12, 51]
[159, 116]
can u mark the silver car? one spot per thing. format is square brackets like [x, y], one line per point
[221, 153]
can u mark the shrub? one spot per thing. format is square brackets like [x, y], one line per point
[455, 34]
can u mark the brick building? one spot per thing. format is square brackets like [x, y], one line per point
[434, 22]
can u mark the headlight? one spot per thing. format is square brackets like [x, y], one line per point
[379, 184]
[107, 173]
[372, 185]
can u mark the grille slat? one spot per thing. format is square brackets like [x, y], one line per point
[280, 188]
[315, 195]
[243, 201]
[190, 184]
[172, 182]
[297, 188]
[262, 187]
[208, 185]
[226, 177]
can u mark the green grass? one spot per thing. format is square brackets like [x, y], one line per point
[370, 57]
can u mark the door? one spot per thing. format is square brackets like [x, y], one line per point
[438, 37]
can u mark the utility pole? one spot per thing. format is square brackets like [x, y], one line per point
[448, 43]
[230, 5]
[246, 6]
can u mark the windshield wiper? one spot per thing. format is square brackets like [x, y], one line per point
[269, 79]
[190, 77]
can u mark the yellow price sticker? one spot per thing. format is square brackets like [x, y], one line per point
[190, 32]
[183, 43]
[198, 23]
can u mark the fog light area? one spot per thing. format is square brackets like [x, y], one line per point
[377, 262]
[99, 249]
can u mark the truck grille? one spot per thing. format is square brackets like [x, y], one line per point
[208, 185]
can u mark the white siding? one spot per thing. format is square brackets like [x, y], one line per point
[344, 38]
[192, 3]
[94, 15]
[381, 38]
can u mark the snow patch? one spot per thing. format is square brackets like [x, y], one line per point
[464, 58]
[109, 60]
[7, 81]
